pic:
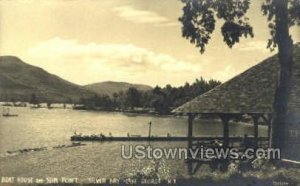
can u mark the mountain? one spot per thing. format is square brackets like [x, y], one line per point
[110, 87]
[19, 81]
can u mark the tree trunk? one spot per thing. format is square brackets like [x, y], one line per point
[285, 54]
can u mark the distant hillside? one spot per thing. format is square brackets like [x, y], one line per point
[110, 87]
[19, 81]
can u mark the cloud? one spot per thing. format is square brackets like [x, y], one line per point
[226, 73]
[99, 61]
[254, 46]
[142, 16]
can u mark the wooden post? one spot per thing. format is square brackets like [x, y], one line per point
[150, 123]
[225, 119]
[268, 120]
[190, 129]
[255, 122]
[269, 133]
[255, 118]
[190, 142]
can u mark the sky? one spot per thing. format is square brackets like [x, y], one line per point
[136, 41]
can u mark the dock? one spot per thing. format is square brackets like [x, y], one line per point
[94, 138]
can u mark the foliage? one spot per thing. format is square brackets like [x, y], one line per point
[161, 100]
[198, 20]
[269, 9]
[133, 97]
[103, 102]
[34, 100]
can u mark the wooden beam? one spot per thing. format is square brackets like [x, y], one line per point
[268, 119]
[191, 118]
[255, 121]
[225, 119]
[270, 133]
[190, 125]
[255, 118]
[190, 141]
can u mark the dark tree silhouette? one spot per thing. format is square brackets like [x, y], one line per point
[198, 23]
[34, 99]
[133, 97]
[159, 99]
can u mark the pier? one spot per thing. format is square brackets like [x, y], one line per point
[233, 141]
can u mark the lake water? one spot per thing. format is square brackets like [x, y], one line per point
[51, 127]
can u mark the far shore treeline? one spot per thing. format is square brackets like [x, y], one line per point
[158, 100]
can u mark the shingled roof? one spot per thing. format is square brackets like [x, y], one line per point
[249, 92]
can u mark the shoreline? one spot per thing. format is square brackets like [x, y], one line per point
[129, 113]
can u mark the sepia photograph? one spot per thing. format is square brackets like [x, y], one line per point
[150, 92]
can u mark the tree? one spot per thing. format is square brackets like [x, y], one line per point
[159, 103]
[133, 97]
[114, 101]
[281, 17]
[198, 23]
[13, 101]
[48, 105]
[34, 100]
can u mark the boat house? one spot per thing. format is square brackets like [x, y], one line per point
[251, 93]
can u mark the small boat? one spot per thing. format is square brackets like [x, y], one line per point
[7, 114]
